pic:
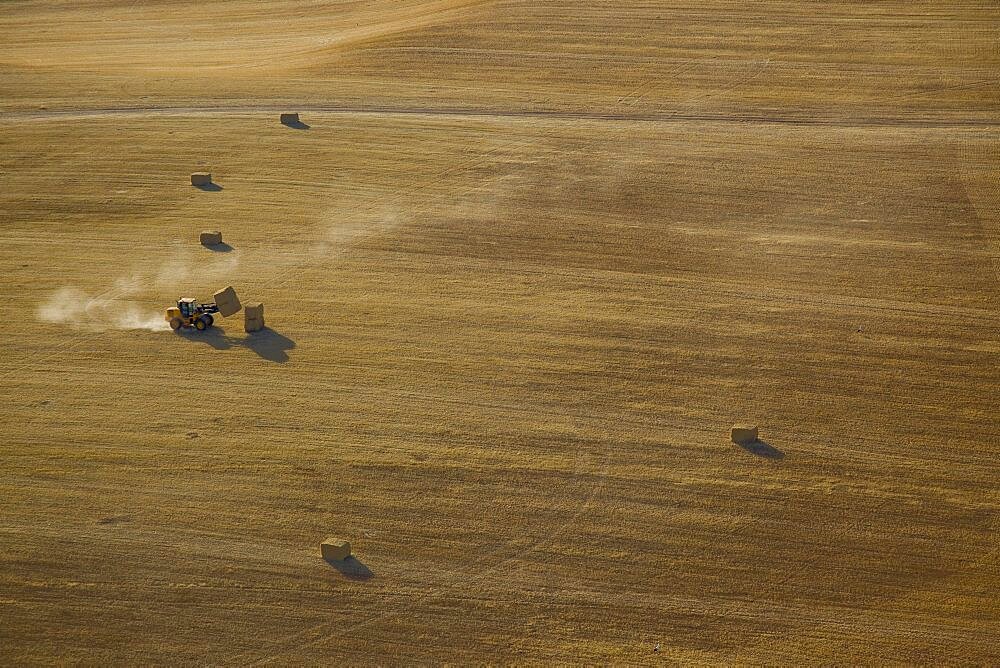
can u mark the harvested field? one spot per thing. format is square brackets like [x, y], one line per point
[524, 268]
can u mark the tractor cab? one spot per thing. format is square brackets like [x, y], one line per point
[188, 306]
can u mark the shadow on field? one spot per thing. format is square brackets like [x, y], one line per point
[762, 449]
[267, 343]
[210, 187]
[352, 569]
[220, 248]
[298, 125]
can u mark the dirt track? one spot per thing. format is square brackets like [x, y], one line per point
[853, 122]
[523, 269]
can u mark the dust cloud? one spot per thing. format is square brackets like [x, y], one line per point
[337, 236]
[124, 304]
[74, 307]
[118, 307]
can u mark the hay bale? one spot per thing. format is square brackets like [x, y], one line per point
[334, 549]
[289, 119]
[255, 311]
[211, 238]
[227, 301]
[253, 315]
[201, 179]
[743, 433]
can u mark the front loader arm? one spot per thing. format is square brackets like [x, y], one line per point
[208, 308]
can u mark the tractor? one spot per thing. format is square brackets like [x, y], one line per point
[189, 313]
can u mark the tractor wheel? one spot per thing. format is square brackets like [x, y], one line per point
[200, 324]
[209, 320]
[175, 323]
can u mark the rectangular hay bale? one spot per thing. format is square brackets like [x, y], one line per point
[743, 433]
[253, 315]
[255, 310]
[334, 549]
[227, 301]
[211, 238]
[201, 179]
[289, 118]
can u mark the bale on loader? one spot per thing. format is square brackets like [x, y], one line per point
[227, 301]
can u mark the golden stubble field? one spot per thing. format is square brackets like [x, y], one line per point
[523, 269]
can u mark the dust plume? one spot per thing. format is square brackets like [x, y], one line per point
[182, 269]
[341, 234]
[118, 307]
[82, 311]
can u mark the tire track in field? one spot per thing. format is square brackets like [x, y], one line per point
[16, 116]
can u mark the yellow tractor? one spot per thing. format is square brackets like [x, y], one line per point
[189, 313]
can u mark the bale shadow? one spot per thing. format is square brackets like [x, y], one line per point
[762, 449]
[297, 125]
[210, 187]
[351, 568]
[267, 343]
[219, 248]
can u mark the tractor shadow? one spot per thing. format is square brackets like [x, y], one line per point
[267, 343]
[762, 449]
[210, 187]
[351, 568]
[219, 248]
[296, 125]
